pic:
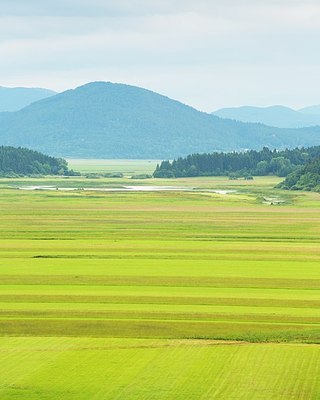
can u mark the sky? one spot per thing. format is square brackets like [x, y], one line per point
[206, 53]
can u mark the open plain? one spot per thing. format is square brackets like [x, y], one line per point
[159, 295]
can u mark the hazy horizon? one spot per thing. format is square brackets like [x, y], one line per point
[209, 111]
[208, 54]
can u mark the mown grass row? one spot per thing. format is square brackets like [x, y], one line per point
[170, 281]
[173, 329]
[152, 300]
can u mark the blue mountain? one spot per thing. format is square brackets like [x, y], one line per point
[14, 99]
[278, 116]
[107, 120]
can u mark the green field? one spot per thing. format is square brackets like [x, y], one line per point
[127, 167]
[159, 295]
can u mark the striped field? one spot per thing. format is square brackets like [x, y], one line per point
[159, 295]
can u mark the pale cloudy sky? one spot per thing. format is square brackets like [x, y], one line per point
[206, 53]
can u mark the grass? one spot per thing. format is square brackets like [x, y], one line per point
[160, 295]
[131, 369]
[126, 167]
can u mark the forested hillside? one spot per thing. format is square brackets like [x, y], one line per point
[106, 120]
[305, 178]
[264, 162]
[20, 161]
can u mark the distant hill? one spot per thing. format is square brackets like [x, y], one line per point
[106, 120]
[278, 116]
[19, 161]
[313, 110]
[14, 99]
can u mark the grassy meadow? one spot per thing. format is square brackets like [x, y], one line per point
[158, 295]
[127, 167]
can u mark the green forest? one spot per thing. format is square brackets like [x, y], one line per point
[304, 178]
[23, 162]
[239, 164]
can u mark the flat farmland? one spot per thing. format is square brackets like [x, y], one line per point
[159, 295]
[126, 167]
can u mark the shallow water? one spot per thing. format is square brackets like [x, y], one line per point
[126, 188]
[223, 191]
[111, 189]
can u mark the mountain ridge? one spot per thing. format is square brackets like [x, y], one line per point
[113, 120]
[313, 110]
[277, 115]
[16, 98]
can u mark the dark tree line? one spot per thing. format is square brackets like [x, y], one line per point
[304, 178]
[238, 164]
[21, 161]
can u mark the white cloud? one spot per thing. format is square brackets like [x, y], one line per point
[207, 53]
